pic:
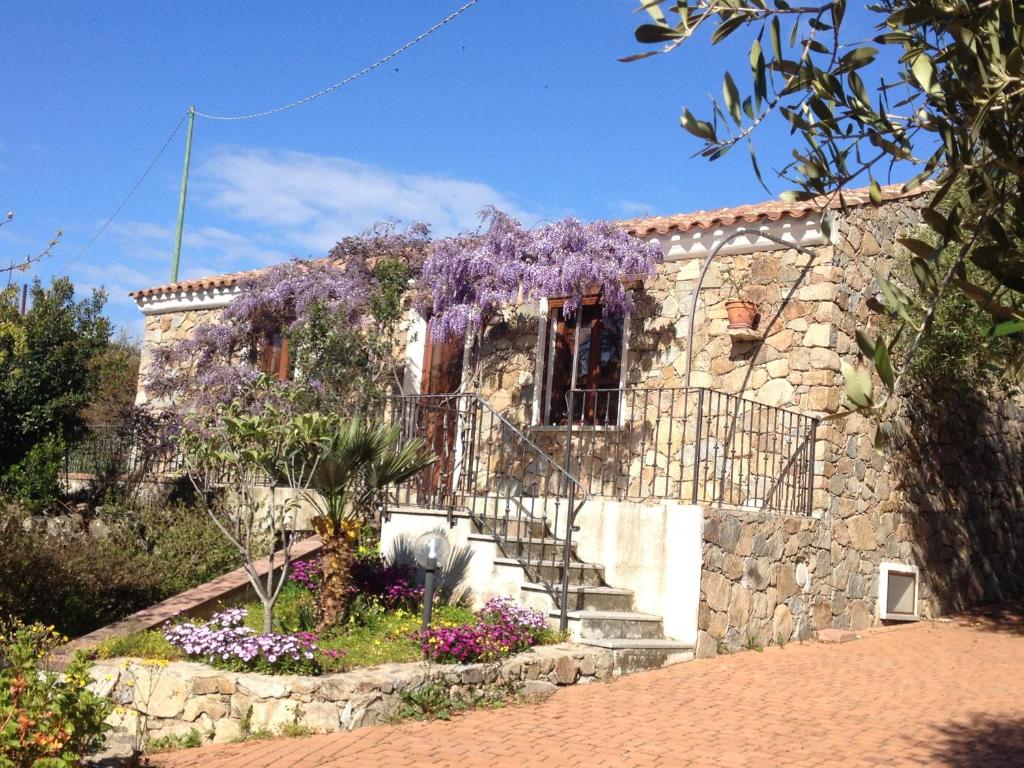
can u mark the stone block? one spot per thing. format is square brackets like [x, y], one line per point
[782, 623]
[818, 335]
[716, 590]
[565, 672]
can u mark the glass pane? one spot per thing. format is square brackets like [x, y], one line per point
[583, 355]
[900, 593]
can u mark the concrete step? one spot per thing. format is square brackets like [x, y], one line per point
[532, 547]
[513, 527]
[550, 571]
[592, 598]
[614, 625]
[638, 655]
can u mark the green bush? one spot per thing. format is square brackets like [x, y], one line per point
[46, 719]
[34, 482]
[185, 548]
[79, 583]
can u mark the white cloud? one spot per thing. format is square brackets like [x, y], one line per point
[251, 207]
[313, 200]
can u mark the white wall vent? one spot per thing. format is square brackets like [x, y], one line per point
[898, 591]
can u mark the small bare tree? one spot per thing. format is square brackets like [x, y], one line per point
[250, 471]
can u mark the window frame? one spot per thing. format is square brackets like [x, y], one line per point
[545, 363]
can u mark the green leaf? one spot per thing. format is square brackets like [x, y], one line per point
[867, 346]
[875, 192]
[757, 65]
[857, 58]
[883, 364]
[924, 73]
[699, 128]
[896, 300]
[731, 95]
[925, 277]
[775, 40]
[1006, 328]
[656, 33]
[653, 7]
[918, 247]
[858, 386]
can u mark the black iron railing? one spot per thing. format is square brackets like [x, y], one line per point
[119, 450]
[691, 444]
[489, 469]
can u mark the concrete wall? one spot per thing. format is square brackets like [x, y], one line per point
[665, 576]
[652, 549]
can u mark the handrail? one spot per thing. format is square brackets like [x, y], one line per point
[694, 443]
[496, 473]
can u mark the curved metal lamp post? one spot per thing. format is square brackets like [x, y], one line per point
[703, 273]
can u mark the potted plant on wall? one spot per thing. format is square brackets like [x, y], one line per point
[742, 312]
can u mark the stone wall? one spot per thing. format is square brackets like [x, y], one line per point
[749, 582]
[947, 498]
[157, 699]
[164, 329]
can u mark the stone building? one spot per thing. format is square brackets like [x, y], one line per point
[668, 481]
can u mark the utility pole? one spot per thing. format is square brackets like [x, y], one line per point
[181, 200]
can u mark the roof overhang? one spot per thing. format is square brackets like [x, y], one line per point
[186, 300]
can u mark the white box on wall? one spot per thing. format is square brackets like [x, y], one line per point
[898, 591]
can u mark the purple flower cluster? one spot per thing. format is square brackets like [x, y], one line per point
[306, 573]
[217, 361]
[469, 277]
[224, 641]
[392, 583]
[508, 611]
[503, 627]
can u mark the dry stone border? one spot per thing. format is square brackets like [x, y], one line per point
[157, 699]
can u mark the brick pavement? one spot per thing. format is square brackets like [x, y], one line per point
[930, 694]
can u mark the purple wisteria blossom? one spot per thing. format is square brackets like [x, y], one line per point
[469, 277]
[218, 360]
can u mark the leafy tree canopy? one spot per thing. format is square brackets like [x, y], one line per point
[47, 375]
[936, 94]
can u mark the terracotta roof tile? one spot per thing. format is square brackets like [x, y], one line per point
[195, 285]
[771, 210]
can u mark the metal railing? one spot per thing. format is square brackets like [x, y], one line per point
[691, 444]
[119, 450]
[489, 469]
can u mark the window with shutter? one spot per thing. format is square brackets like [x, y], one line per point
[582, 352]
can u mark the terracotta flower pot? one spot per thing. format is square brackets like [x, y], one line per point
[741, 313]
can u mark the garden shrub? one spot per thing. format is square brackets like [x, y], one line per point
[46, 719]
[34, 482]
[80, 583]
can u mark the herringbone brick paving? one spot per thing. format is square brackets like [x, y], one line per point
[930, 694]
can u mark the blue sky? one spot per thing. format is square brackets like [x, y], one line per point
[518, 104]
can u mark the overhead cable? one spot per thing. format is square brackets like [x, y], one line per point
[365, 71]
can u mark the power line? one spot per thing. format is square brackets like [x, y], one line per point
[128, 197]
[365, 71]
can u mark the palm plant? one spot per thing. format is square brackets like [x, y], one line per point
[354, 462]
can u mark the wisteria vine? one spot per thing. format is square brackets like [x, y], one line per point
[469, 277]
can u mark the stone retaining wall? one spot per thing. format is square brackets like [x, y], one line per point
[157, 699]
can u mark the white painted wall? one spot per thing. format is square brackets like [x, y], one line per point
[654, 550]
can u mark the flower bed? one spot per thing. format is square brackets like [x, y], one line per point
[224, 642]
[502, 627]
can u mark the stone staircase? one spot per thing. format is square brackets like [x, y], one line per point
[599, 615]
